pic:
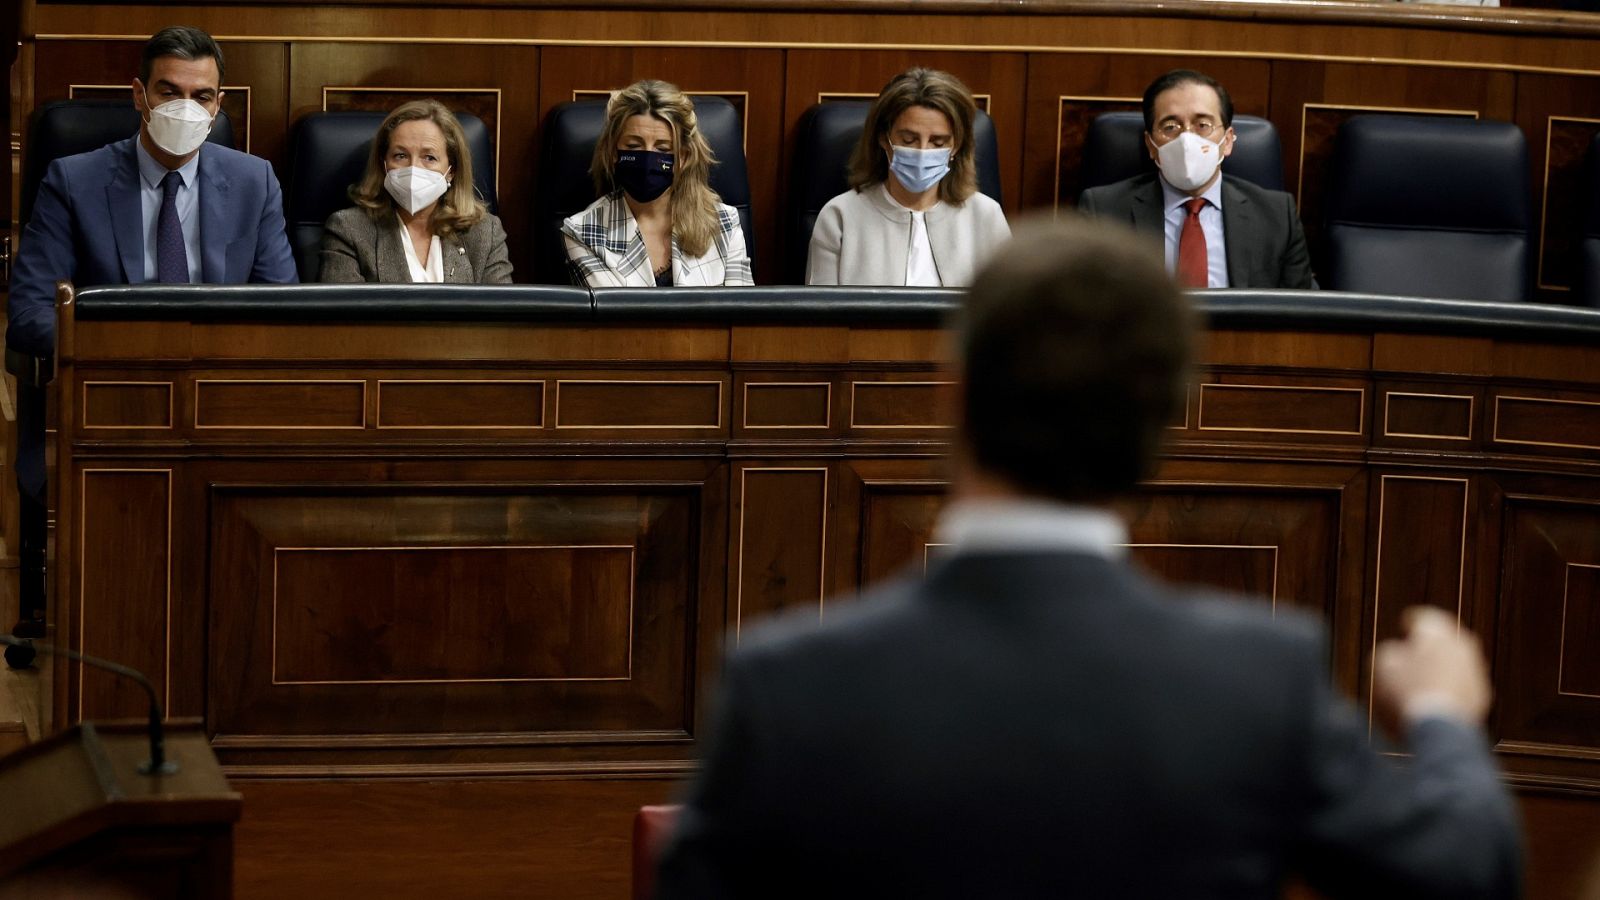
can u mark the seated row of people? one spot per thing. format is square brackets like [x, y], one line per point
[155, 208]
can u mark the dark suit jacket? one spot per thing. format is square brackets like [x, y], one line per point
[86, 228]
[358, 248]
[1266, 246]
[1055, 725]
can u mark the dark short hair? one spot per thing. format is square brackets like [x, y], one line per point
[1075, 347]
[184, 42]
[1179, 77]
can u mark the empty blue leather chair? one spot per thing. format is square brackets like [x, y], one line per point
[329, 155]
[1113, 149]
[565, 188]
[1589, 239]
[1427, 206]
[826, 136]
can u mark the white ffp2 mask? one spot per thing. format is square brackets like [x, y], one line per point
[1188, 160]
[179, 126]
[414, 187]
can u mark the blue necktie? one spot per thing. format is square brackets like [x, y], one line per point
[172, 260]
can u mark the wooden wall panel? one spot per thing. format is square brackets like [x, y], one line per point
[781, 540]
[501, 87]
[1547, 674]
[1066, 91]
[414, 609]
[751, 79]
[125, 600]
[1560, 116]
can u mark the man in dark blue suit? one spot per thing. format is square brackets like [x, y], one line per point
[1038, 718]
[160, 206]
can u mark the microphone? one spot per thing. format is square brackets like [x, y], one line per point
[157, 764]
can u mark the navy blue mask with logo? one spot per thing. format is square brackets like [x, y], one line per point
[644, 174]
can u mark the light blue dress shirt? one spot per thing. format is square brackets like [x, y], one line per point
[150, 194]
[1172, 201]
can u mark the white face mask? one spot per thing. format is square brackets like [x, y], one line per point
[179, 126]
[1188, 161]
[414, 187]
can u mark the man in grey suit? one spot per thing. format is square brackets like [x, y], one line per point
[1219, 231]
[1036, 717]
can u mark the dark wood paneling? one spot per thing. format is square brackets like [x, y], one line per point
[897, 528]
[1066, 91]
[460, 404]
[1560, 116]
[901, 403]
[280, 404]
[1546, 671]
[1282, 410]
[128, 404]
[501, 86]
[639, 404]
[786, 405]
[548, 838]
[1428, 414]
[750, 78]
[1563, 845]
[380, 615]
[1536, 421]
[451, 611]
[125, 588]
[781, 540]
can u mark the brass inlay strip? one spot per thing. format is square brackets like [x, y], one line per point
[200, 382]
[1495, 432]
[1377, 573]
[738, 578]
[1561, 664]
[1471, 405]
[855, 384]
[499, 106]
[827, 413]
[171, 413]
[562, 381]
[404, 381]
[1544, 195]
[83, 507]
[1361, 413]
[632, 578]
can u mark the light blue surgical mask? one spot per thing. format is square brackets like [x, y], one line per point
[919, 170]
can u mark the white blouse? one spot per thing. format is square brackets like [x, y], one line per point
[433, 272]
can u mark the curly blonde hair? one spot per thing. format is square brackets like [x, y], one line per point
[695, 219]
[459, 208]
[938, 91]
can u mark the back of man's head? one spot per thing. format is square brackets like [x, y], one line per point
[1075, 345]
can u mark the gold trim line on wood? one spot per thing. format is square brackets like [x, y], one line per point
[499, 106]
[1361, 414]
[561, 381]
[378, 412]
[855, 384]
[1495, 431]
[198, 382]
[1471, 408]
[838, 45]
[1061, 119]
[1544, 197]
[827, 412]
[1377, 570]
[632, 579]
[822, 575]
[172, 413]
[1300, 164]
[1273, 547]
[83, 505]
[1561, 663]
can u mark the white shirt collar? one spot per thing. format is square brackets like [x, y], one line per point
[1025, 525]
[1172, 198]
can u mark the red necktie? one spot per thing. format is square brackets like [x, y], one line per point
[1192, 267]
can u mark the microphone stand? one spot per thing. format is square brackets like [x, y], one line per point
[157, 764]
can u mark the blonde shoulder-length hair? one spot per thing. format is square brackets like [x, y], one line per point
[459, 208]
[938, 91]
[695, 220]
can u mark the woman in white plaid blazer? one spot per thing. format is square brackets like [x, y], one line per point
[659, 223]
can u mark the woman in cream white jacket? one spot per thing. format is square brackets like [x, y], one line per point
[913, 215]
